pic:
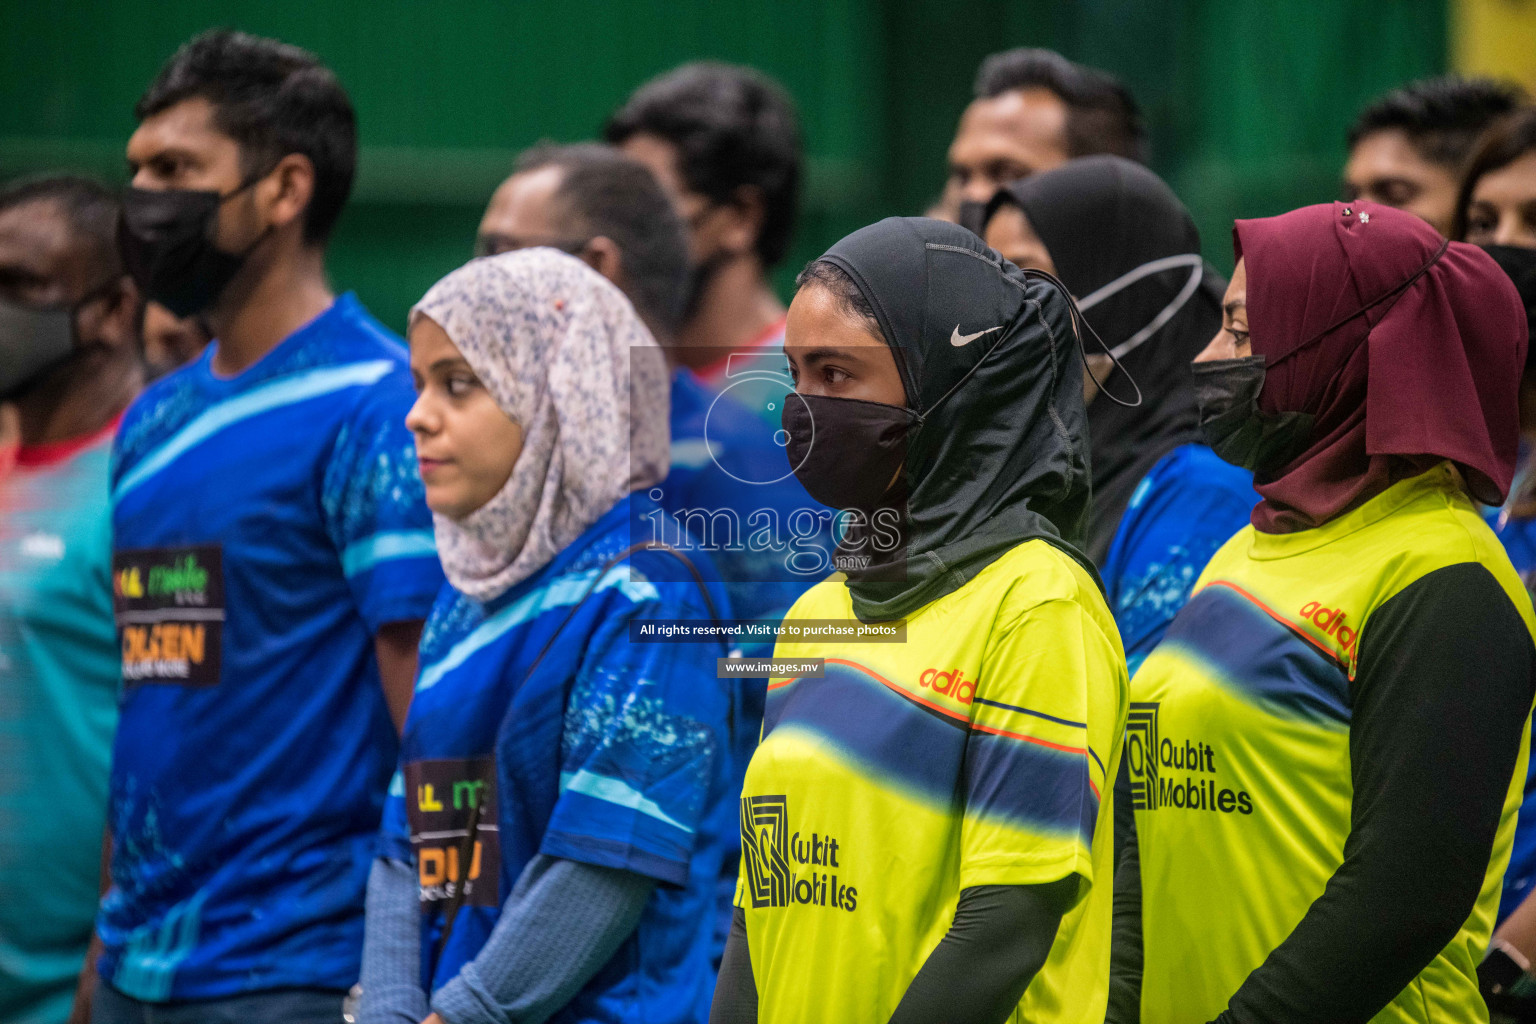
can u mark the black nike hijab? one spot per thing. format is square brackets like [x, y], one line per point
[1104, 220]
[997, 450]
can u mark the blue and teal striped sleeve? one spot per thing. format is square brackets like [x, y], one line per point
[376, 513]
[644, 742]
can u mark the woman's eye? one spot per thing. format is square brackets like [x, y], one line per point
[458, 387]
[1239, 337]
[832, 375]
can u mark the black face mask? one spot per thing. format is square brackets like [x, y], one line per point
[166, 238]
[1520, 264]
[864, 446]
[1228, 393]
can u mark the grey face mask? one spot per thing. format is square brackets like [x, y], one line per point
[32, 342]
[35, 339]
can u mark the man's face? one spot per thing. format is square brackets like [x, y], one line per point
[714, 229]
[1385, 168]
[523, 213]
[44, 264]
[180, 148]
[41, 265]
[1003, 139]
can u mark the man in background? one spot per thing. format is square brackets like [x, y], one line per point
[69, 366]
[1407, 147]
[272, 559]
[724, 142]
[1035, 110]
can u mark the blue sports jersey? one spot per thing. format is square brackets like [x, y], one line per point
[1187, 506]
[1519, 538]
[729, 478]
[266, 526]
[613, 753]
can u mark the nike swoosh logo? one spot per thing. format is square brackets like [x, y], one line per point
[961, 340]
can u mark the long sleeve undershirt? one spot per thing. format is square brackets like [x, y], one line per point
[562, 923]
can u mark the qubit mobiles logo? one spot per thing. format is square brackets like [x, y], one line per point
[1175, 773]
[772, 853]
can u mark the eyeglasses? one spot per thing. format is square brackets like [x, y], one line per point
[495, 244]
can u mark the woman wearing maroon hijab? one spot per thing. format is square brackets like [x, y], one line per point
[1322, 755]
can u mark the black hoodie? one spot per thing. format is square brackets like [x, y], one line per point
[1100, 218]
[999, 450]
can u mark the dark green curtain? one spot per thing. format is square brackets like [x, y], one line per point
[1247, 102]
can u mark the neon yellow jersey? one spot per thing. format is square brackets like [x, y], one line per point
[1238, 748]
[981, 751]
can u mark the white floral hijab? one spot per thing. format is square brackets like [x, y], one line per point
[563, 353]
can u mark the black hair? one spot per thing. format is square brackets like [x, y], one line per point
[1102, 115]
[603, 192]
[732, 127]
[272, 99]
[844, 289]
[90, 210]
[1501, 145]
[1442, 116]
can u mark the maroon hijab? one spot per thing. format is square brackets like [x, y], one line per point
[1407, 350]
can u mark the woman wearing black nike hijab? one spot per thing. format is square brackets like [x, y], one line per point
[1122, 242]
[926, 825]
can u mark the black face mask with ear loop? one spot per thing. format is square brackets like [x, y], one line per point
[864, 447]
[166, 239]
[1227, 390]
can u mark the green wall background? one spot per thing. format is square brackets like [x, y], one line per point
[1247, 102]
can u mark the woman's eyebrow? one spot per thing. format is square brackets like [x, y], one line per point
[447, 363]
[1231, 308]
[819, 355]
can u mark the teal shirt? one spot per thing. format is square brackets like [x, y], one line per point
[58, 707]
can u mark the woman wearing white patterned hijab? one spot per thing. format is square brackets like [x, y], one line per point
[588, 841]
[567, 361]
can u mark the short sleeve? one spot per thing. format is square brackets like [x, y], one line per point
[643, 745]
[394, 828]
[376, 513]
[1042, 719]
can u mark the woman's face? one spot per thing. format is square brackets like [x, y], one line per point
[1503, 207]
[1231, 342]
[832, 354]
[465, 444]
[1011, 234]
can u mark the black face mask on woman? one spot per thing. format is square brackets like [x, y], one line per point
[1520, 264]
[1236, 428]
[166, 238]
[864, 447]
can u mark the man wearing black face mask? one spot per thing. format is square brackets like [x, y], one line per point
[69, 365]
[273, 558]
[725, 144]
